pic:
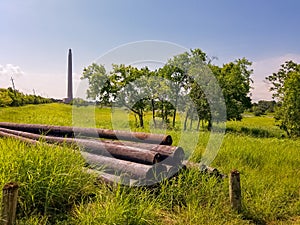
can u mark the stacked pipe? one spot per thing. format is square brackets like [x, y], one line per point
[141, 157]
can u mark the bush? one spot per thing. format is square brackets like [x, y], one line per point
[10, 97]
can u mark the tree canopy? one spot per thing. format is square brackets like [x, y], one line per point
[235, 81]
[180, 86]
[286, 88]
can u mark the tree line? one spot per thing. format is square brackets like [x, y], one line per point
[263, 107]
[182, 85]
[10, 97]
[173, 89]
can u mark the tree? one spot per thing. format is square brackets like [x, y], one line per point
[5, 99]
[158, 90]
[11, 97]
[177, 70]
[185, 83]
[263, 107]
[202, 106]
[130, 89]
[99, 84]
[234, 79]
[286, 88]
[123, 86]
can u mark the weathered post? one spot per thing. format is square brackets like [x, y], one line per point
[9, 203]
[235, 190]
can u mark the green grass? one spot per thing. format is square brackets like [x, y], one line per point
[270, 175]
[51, 179]
[58, 114]
[263, 126]
[55, 190]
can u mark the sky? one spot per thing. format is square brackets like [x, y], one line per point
[35, 35]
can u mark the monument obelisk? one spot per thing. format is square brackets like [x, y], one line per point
[70, 80]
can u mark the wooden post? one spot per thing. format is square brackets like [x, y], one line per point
[235, 190]
[9, 203]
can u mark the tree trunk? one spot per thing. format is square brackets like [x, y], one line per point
[153, 112]
[174, 117]
[141, 118]
[135, 120]
[198, 124]
[166, 114]
[209, 125]
[162, 111]
[185, 120]
[175, 110]
[191, 122]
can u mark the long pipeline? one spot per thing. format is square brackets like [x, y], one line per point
[134, 170]
[24, 139]
[113, 165]
[169, 154]
[95, 147]
[65, 131]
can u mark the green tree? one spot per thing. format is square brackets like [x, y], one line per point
[10, 97]
[174, 72]
[99, 83]
[286, 88]
[186, 84]
[263, 107]
[177, 70]
[123, 86]
[202, 106]
[234, 79]
[5, 99]
[158, 89]
[130, 88]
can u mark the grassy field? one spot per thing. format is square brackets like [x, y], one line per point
[56, 190]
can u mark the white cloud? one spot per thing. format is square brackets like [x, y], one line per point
[264, 68]
[11, 70]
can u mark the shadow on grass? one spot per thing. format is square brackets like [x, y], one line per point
[254, 220]
[254, 132]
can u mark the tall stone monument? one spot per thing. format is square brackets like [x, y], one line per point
[70, 80]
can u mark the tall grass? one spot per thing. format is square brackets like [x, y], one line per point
[260, 127]
[270, 175]
[54, 188]
[58, 114]
[192, 198]
[51, 178]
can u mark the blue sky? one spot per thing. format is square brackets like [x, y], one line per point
[35, 35]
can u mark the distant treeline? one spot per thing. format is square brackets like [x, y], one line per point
[10, 97]
[263, 107]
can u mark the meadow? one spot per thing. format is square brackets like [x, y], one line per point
[55, 189]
